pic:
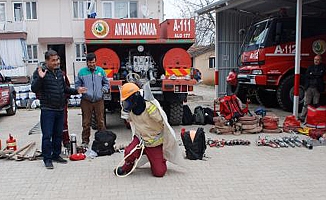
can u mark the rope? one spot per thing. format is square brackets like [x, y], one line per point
[139, 146]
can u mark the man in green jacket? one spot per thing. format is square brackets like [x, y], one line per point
[94, 79]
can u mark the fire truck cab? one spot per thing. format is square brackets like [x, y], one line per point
[268, 59]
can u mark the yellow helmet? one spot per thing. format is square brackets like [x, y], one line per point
[127, 90]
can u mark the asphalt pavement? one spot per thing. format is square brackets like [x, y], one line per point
[230, 172]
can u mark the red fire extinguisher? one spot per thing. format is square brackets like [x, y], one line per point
[11, 143]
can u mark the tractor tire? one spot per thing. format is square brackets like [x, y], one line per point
[176, 113]
[266, 98]
[13, 108]
[285, 96]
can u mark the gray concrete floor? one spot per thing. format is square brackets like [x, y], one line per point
[238, 172]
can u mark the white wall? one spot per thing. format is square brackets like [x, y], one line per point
[201, 62]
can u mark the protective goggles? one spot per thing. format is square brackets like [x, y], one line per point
[127, 105]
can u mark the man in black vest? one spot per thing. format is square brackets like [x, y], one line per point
[314, 85]
[48, 82]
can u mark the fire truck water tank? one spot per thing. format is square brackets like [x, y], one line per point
[108, 60]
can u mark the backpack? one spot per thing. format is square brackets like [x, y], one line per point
[199, 116]
[230, 107]
[104, 142]
[209, 114]
[195, 149]
[187, 115]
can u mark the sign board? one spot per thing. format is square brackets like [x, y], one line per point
[121, 29]
[178, 29]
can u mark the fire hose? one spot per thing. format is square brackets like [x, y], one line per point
[140, 146]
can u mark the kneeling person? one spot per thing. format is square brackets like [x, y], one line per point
[151, 130]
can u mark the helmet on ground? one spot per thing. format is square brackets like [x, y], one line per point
[127, 90]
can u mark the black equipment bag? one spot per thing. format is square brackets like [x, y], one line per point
[104, 142]
[209, 115]
[199, 115]
[195, 150]
[187, 115]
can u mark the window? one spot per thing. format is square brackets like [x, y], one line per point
[31, 10]
[28, 7]
[32, 53]
[2, 12]
[80, 9]
[126, 9]
[107, 9]
[80, 52]
[211, 62]
[259, 35]
[18, 12]
[133, 9]
[121, 9]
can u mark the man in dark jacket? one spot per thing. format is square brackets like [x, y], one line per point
[48, 82]
[314, 85]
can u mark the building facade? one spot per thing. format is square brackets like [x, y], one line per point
[38, 25]
[203, 59]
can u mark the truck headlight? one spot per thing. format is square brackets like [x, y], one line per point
[257, 72]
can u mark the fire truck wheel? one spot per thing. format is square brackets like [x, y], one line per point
[13, 107]
[176, 113]
[237, 90]
[266, 98]
[284, 93]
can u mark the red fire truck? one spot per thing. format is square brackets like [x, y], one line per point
[145, 50]
[268, 59]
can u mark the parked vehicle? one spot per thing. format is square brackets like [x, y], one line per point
[142, 50]
[268, 59]
[7, 95]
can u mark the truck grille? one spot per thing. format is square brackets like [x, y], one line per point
[244, 80]
[244, 71]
